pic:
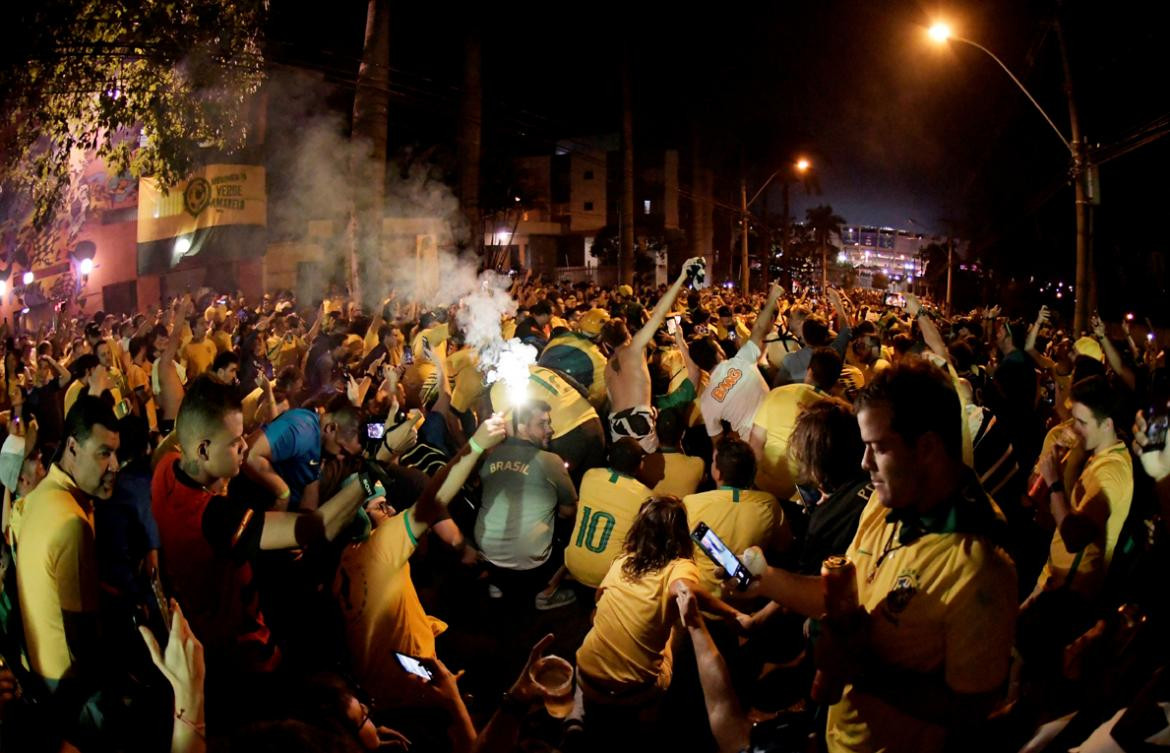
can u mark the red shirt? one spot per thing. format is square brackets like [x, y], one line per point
[207, 545]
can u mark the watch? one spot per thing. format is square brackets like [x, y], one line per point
[1056, 486]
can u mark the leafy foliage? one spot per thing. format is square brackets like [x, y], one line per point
[92, 75]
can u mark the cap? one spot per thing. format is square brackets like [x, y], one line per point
[1087, 346]
[625, 290]
[592, 321]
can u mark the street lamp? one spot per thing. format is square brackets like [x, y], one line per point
[941, 33]
[802, 165]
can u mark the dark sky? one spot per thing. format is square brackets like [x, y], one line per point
[897, 127]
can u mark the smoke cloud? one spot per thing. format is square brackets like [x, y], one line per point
[310, 154]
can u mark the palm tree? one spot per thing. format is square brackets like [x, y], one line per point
[824, 225]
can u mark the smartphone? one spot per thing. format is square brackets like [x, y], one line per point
[375, 430]
[1157, 423]
[714, 548]
[672, 325]
[160, 599]
[414, 666]
[408, 357]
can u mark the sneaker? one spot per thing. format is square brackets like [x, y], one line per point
[494, 591]
[557, 598]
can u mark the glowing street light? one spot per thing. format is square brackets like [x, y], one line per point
[1083, 169]
[802, 165]
[28, 277]
[86, 266]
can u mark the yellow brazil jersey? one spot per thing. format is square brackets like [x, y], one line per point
[74, 392]
[681, 474]
[569, 408]
[199, 356]
[629, 643]
[381, 608]
[1103, 493]
[742, 333]
[508, 328]
[222, 340]
[607, 504]
[943, 604]
[466, 379]
[777, 416]
[676, 371]
[742, 518]
[579, 357]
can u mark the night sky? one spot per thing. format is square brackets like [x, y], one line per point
[897, 127]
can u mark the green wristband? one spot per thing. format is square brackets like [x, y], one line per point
[475, 446]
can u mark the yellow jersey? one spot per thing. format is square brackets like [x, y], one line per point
[742, 518]
[941, 604]
[629, 643]
[607, 504]
[382, 610]
[1103, 493]
[568, 408]
[777, 416]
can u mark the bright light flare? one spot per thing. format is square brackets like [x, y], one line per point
[940, 32]
[511, 365]
[86, 266]
[802, 165]
[29, 277]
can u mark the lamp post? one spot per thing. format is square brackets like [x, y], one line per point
[801, 166]
[1081, 166]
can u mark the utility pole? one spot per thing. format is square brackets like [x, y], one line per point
[1081, 170]
[950, 265]
[744, 266]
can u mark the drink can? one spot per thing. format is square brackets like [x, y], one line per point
[840, 583]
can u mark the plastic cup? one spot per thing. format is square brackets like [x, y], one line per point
[554, 676]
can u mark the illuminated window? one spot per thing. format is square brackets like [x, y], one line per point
[646, 206]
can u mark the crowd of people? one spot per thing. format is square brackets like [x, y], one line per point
[835, 521]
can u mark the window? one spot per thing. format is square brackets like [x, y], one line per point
[646, 206]
[589, 206]
[588, 175]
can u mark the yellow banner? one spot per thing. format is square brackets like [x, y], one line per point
[214, 196]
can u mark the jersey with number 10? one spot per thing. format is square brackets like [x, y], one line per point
[606, 508]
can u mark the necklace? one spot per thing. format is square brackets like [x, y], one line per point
[888, 549]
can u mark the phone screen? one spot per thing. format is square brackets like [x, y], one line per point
[672, 325]
[414, 666]
[714, 548]
[375, 430]
[408, 356]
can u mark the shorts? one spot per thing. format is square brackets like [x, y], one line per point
[638, 423]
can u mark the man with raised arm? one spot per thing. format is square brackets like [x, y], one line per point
[627, 377]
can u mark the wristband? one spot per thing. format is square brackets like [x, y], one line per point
[200, 728]
[474, 446]
[1056, 486]
[285, 494]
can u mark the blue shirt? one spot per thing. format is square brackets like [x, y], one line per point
[295, 439]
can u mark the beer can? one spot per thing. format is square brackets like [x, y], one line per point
[839, 577]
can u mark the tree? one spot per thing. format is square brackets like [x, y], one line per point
[824, 225]
[94, 74]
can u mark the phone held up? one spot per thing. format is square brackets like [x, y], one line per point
[415, 666]
[714, 548]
